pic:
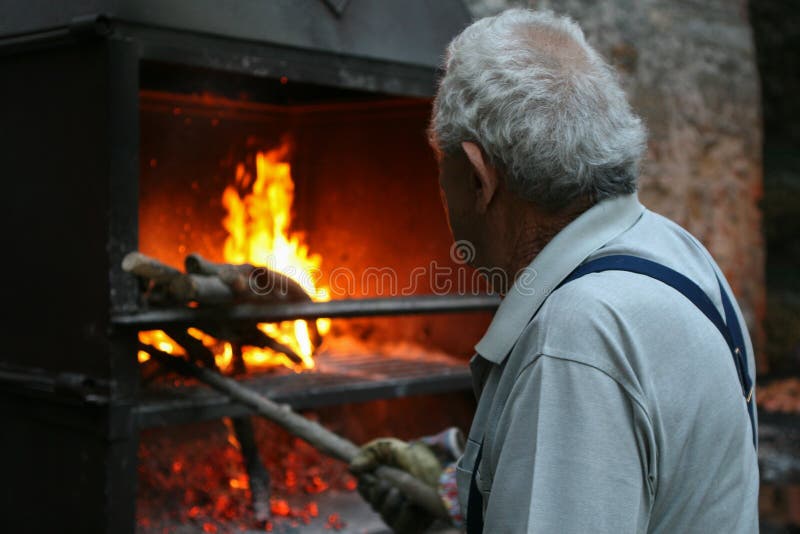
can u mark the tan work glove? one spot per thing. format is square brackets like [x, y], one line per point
[396, 510]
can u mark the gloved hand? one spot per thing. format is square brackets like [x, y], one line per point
[400, 514]
[415, 458]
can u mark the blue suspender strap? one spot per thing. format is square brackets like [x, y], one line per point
[475, 502]
[729, 328]
[739, 354]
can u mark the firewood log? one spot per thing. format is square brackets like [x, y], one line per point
[192, 346]
[200, 288]
[254, 284]
[258, 477]
[214, 283]
[149, 268]
[248, 282]
[197, 264]
[263, 282]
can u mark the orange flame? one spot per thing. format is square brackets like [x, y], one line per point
[259, 232]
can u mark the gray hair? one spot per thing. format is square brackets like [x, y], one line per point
[544, 106]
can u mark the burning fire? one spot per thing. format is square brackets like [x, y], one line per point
[259, 232]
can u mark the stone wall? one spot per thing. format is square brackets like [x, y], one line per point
[690, 71]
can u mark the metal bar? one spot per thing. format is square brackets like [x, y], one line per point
[274, 60]
[197, 403]
[268, 313]
[78, 29]
[338, 378]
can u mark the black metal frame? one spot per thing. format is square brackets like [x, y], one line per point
[74, 401]
[270, 313]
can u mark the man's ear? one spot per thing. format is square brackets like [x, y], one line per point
[485, 172]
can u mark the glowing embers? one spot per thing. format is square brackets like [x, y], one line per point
[195, 477]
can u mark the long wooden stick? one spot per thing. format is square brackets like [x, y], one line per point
[315, 434]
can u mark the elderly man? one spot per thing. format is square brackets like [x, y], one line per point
[615, 381]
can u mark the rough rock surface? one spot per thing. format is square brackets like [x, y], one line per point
[690, 71]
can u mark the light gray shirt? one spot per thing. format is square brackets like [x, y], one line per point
[616, 407]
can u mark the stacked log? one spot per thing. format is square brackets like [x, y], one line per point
[207, 283]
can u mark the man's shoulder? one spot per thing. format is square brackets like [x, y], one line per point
[610, 304]
[617, 321]
[657, 238]
[584, 322]
[623, 323]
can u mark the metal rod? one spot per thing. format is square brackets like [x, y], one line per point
[270, 313]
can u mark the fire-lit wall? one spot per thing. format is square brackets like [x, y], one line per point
[366, 198]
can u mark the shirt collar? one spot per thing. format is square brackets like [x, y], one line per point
[566, 251]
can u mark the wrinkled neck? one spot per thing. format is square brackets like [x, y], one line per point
[535, 230]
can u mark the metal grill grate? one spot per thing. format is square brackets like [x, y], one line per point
[339, 378]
